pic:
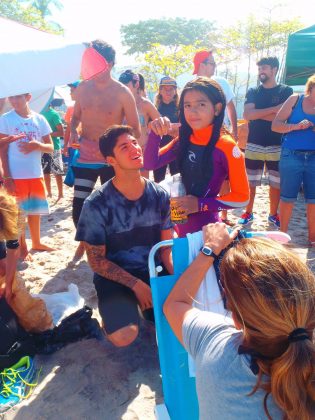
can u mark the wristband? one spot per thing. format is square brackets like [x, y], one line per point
[202, 206]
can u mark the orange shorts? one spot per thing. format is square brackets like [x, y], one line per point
[31, 195]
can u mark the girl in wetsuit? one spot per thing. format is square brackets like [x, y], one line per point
[205, 152]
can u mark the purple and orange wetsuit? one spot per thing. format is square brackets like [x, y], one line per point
[228, 162]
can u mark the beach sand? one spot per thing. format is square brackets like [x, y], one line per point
[91, 379]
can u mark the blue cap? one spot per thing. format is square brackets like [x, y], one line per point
[74, 84]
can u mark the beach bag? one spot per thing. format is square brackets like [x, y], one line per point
[75, 327]
[15, 342]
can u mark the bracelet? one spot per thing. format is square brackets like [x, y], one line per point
[7, 177]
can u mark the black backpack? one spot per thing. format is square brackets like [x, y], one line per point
[15, 342]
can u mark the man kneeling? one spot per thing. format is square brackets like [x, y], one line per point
[119, 224]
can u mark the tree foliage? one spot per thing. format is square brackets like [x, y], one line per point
[252, 38]
[27, 14]
[165, 61]
[44, 6]
[139, 37]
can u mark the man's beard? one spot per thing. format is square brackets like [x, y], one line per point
[263, 78]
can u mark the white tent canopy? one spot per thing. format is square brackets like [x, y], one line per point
[32, 60]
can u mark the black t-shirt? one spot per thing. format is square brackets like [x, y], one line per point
[169, 110]
[260, 130]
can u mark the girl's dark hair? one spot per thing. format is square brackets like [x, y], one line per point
[213, 91]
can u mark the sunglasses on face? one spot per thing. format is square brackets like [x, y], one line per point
[209, 62]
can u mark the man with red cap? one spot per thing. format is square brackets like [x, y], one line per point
[204, 65]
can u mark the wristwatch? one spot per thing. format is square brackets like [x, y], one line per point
[206, 250]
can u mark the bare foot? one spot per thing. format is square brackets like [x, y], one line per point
[25, 255]
[60, 197]
[42, 247]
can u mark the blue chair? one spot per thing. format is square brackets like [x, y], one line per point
[179, 388]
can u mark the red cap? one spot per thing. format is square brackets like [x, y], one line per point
[199, 58]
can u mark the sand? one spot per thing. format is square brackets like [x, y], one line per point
[91, 379]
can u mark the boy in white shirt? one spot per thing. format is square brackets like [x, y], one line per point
[21, 162]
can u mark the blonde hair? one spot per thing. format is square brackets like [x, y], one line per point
[271, 293]
[310, 84]
[8, 216]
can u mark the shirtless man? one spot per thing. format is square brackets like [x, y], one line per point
[100, 102]
[146, 110]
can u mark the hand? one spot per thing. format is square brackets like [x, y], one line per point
[2, 290]
[11, 139]
[65, 152]
[8, 294]
[217, 237]
[29, 147]
[162, 126]
[9, 185]
[74, 137]
[235, 136]
[187, 204]
[303, 125]
[143, 294]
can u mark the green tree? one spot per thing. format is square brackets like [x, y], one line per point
[172, 32]
[252, 38]
[43, 6]
[12, 9]
[164, 61]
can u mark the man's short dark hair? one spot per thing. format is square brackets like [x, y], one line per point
[129, 76]
[105, 49]
[109, 139]
[270, 61]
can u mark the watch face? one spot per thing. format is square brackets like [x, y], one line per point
[207, 251]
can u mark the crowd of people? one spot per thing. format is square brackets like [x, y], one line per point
[116, 134]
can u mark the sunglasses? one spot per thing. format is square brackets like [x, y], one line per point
[209, 62]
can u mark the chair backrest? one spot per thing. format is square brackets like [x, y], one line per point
[179, 388]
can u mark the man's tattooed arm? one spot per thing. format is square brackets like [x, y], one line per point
[105, 268]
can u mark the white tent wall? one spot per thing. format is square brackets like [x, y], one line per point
[34, 61]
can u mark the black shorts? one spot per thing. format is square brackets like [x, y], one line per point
[13, 244]
[118, 305]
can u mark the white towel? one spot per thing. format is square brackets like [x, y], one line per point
[208, 297]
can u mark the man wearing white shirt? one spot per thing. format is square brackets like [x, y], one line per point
[204, 65]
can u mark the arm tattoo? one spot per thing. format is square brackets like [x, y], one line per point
[105, 268]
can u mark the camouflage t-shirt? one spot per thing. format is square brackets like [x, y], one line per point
[127, 228]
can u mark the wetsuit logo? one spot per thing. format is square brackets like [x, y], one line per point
[236, 152]
[192, 156]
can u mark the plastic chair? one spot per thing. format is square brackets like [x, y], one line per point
[179, 388]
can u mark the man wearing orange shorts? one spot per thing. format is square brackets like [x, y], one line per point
[21, 162]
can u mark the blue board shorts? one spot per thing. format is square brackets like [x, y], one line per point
[297, 167]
